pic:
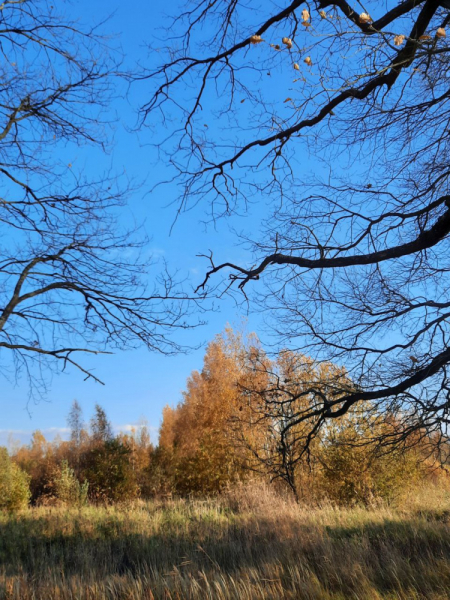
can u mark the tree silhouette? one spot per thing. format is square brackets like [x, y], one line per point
[339, 116]
[72, 281]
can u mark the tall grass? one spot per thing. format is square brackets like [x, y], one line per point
[244, 546]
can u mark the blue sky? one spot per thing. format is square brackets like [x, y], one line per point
[138, 383]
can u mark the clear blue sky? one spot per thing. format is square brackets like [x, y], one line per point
[138, 383]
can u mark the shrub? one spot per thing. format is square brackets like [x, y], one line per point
[67, 488]
[355, 472]
[110, 474]
[14, 484]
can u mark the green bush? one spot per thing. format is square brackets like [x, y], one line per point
[67, 488]
[108, 469]
[14, 484]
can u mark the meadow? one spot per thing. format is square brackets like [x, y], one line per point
[244, 545]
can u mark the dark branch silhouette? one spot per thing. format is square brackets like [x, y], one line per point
[337, 118]
[73, 282]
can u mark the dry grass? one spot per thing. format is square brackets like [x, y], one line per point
[246, 546]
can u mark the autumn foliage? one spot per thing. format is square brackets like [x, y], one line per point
[94, 465]
[239, 420]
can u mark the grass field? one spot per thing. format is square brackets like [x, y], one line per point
[241, 548]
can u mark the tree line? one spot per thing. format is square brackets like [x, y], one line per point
[237, 421]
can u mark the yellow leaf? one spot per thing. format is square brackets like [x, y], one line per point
[399, 39]
[256, 39]
[441, 33]
[364, 18]
[308, 61]
[296, 67]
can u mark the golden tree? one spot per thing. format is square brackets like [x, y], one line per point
[197, 437]
[276, 394]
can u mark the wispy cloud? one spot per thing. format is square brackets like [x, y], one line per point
[59, 430]
[11, 437]
[23, 436]
[128, 427]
